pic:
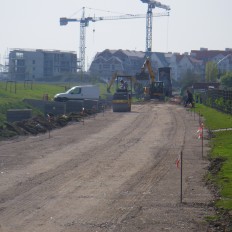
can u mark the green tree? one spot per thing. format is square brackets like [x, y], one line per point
[211, 72]
[226, 79]
[187, 79]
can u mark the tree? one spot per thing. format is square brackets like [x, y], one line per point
[187, 79]
[226, 79]
[211, 71]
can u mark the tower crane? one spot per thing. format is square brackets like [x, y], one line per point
[84, 22]
[151, 5]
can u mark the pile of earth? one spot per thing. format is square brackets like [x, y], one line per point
[41, 124]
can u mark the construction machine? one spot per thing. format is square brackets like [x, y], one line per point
[137, 82]
[155, 90]
[165, 77]
[122, 98]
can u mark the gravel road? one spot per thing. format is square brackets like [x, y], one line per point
[116, 172]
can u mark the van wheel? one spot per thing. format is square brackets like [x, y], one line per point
[57, 99]
[64, 99]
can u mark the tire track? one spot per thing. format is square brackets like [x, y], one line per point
[131, 194]
[40, 189]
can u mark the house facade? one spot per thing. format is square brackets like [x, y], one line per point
[124, 62]
[44, 64]
[40, 64]
[222, 58]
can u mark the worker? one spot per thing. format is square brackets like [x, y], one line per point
[189, 99]
[124, 84]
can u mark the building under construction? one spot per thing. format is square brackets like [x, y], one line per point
[40, 64]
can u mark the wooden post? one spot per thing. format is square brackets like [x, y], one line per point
[181, 177]
[199, 118]
[103, 110]
[194, 113]
[83, 116]
[202, 140]
[49, 120]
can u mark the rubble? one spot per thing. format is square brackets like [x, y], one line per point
[41, 124]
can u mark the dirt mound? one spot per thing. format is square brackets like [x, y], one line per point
[40, 124]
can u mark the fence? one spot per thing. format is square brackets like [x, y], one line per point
[218, 99]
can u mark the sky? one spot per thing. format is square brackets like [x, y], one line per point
[192, 24]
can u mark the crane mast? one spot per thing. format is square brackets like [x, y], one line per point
[84, 22]
[151, 5]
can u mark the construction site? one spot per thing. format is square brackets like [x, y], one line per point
[109, 173]
[135, 161]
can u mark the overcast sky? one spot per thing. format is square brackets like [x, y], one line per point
[192, 24]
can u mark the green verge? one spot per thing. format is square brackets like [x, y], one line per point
[12, 95]
[213, 118]
[222, 148]
[221, 144]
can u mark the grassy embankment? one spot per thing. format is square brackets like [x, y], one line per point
[11, 96]
[222, 150]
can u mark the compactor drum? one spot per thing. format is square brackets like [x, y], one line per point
[122, 98]
[121, 101]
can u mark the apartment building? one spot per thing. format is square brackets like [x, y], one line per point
[40, 64]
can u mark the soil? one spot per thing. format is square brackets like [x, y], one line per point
[112, 172]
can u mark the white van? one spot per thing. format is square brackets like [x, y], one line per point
[79, 93]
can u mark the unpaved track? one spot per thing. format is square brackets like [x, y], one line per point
[116, 172]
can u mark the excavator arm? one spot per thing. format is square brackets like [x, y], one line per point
[114, 76]
[147, 65]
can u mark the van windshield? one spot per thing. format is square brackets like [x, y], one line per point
[75, 90]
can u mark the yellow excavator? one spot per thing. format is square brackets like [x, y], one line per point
[155, 90]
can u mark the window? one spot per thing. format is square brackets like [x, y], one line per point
[19, 55]
[76, 90]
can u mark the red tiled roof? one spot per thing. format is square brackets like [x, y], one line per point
[207, 54]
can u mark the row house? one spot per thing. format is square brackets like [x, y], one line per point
[183, 63]
[222, 58]
[130, 62]
[126, 62]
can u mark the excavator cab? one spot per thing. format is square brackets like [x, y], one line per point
[154, 91]
[157, 90]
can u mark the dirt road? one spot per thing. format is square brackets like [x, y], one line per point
[116, 172]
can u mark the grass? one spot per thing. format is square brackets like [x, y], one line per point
[213, 118]
[12, 94]
[20, 91]
[221, 148]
